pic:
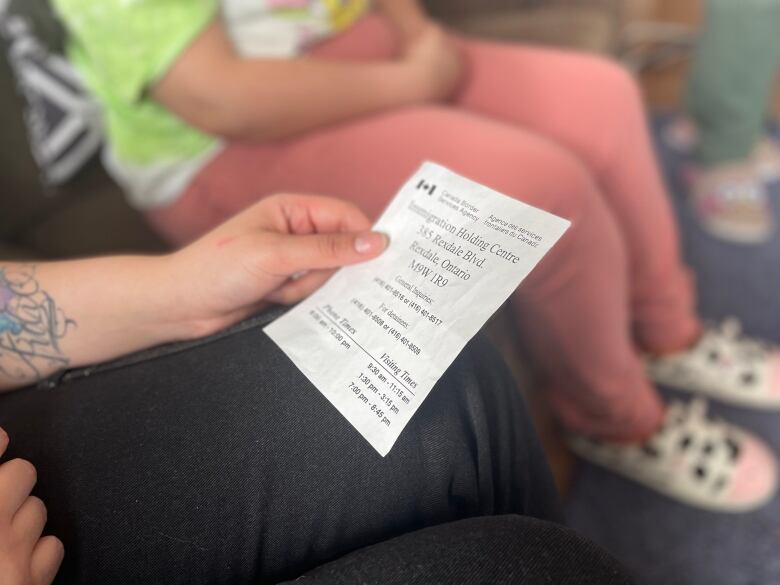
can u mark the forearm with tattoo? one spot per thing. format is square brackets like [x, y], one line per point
[31, 326]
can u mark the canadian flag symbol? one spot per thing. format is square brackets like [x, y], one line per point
[426, 186]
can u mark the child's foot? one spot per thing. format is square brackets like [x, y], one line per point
[731, 201]
[724, 365]
[694, 459]
[766, 157]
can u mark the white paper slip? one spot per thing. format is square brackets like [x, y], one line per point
[376, 338]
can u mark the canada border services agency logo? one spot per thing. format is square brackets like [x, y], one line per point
[424, 185]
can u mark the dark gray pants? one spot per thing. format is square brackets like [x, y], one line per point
[218, 462]
[487, 550]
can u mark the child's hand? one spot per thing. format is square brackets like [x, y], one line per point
[436, 63]
[279, 250]
[25, 557]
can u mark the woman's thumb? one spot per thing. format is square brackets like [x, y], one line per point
[318, 251]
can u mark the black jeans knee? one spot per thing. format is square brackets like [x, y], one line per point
[217, 461]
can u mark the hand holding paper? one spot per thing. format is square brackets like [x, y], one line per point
[376, 338]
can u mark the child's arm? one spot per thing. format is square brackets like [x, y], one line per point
[64, 314]
[214, 89]
[408, 15]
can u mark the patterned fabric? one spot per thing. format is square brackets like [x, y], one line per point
[63, 121]
[283, 28]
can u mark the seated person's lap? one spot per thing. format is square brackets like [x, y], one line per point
[218, 461]
[499, 550]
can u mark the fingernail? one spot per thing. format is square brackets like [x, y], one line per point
[370, 242]
[3, 437]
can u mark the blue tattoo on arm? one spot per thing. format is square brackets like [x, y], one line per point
[31, 326]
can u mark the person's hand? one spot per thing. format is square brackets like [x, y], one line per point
[435, 62]
[25, 557]
[279, 250]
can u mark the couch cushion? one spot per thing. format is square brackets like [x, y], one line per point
[13, 252]
[93, 218]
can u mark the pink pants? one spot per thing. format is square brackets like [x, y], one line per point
[560, 131]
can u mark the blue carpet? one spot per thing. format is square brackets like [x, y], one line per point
[664, 543]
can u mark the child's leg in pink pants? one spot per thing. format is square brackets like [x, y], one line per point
[592, 107]
[576, 306]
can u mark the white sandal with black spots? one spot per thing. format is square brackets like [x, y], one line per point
[694, 459]
[724, 365]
